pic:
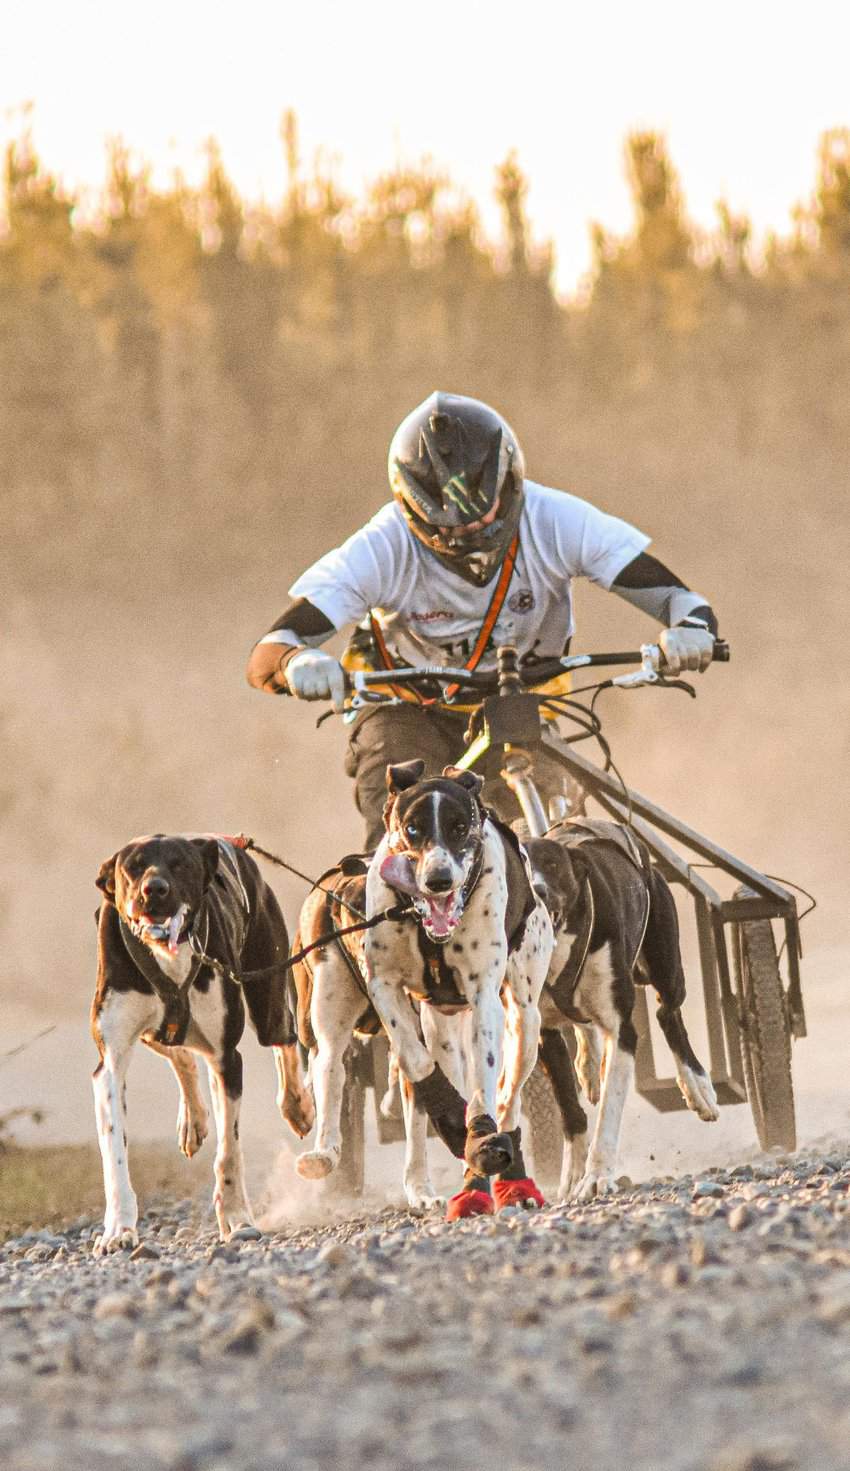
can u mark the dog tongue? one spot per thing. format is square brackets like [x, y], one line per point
[174, 925]
[441, 914]
[399, 873]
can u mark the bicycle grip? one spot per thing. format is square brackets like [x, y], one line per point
[722, 652]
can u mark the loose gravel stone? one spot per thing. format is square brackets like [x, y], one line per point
[116, 1305]
[334, 1254]
[407, 1344]
[145, 1252]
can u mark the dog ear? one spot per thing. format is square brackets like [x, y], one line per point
[405, 774]
[469, 779]
[209, 851]
[106, 878]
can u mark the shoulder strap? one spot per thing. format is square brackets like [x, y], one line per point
[500, 592]
[175, 999]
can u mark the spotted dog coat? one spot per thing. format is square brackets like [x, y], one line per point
[332, 1004]
[164, 899]
[615, 925]
[467, 881]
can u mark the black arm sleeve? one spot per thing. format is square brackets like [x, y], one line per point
[308, 625]
[647, 584]
[647, 571]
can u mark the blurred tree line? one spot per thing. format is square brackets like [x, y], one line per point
[191, 373]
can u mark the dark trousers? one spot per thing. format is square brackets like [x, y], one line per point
[392, 733]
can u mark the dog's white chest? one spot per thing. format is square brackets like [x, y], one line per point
[175, 967]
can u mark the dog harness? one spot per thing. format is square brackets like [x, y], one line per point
[440, 987]
[174, 996]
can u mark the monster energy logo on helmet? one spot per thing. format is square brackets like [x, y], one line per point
[456, 469]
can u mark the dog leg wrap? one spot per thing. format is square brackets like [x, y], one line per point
[517, 1192]
[514, 1186]
[445, 1108]
[487, 1152]
[469, 1202]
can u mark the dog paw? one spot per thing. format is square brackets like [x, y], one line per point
[191, 1131]
[422, 1197]
[245, 1232]
[698, 1092]
[469, 1203]
[297, 1110]
[115, 1238]
[317, 1163]
[589, 1084]
[594, 1184]
[390, 1105]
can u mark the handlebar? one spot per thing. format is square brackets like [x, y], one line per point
[649, 657]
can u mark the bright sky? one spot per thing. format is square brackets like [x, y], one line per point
[741, 88]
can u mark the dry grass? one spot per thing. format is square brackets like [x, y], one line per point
[54, 1185]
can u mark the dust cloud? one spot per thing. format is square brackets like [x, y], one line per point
[188, 430]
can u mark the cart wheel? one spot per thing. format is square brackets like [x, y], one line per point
[765, 1035]
[546, 1132]
[348, 1179]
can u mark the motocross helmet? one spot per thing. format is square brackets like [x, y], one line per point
[456, 469]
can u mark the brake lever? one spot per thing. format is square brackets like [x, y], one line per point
[676, 684]
[648, 672]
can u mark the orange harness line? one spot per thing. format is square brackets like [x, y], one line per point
[500, 592]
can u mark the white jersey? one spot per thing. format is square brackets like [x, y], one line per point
[429, 615]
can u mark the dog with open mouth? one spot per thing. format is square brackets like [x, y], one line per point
[476, 937]
[180, 918]
[332, 1006]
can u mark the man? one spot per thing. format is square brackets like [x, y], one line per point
[468, 555]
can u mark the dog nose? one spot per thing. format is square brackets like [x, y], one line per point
[439, 880]
[155, 887]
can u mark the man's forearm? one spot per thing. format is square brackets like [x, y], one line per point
[647, 584]
[299, 626]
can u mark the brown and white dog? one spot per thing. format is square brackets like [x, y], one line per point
[167, 900]
[616, 925]
[476, 938]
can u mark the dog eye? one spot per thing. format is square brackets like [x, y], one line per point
[459, 829]
[412, 830]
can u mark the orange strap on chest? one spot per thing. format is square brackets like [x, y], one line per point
[500, 592]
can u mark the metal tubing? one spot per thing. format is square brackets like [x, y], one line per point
[599, 781]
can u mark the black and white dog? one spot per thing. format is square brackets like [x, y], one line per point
[476, 940]
[331, 1003]
[477, 937]
[615, 924]
[167, 902]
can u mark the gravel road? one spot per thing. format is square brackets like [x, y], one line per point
[701, 1324]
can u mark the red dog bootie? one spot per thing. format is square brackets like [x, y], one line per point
[516, 1192]
[469, 1203]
